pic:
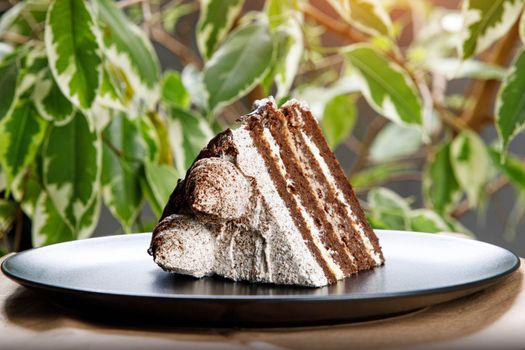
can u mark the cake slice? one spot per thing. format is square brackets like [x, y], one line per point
[266, 202]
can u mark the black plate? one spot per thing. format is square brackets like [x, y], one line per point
[113, 276]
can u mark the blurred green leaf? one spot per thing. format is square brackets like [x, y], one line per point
[511, 166]
[160, 182]
[8, 81]
[8, 212]
[215, 21]
[385, 85]
[73, 50]
[338, 119]
[368, 16]
[129, 49]
[395, 141]
[388, 209]
[121, 169]
[72, 167]
[471, 164]
[238, 65]
[455, 68]
[510, 105]
[425, 220]
[193, 81]
[380, 173]
[21, 134]
[173, 91]
[189, 133]
[440, 187]
[171, 15]
[486, 22]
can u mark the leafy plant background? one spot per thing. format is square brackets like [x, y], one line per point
[104, 105]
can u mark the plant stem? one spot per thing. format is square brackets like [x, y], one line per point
[180, 50]
[332, 24]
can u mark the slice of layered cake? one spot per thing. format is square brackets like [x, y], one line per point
[267, 202]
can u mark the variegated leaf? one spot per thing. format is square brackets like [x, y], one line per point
[8, 211]
[90, 219]
[471, 164]
[395, 141]
[72, 166]
[9, 70]
[227, 76]
[188, 133]
[48, 225]
[122, 169]
[368, 16]
[159, 183]
[215, 21]
[22, 17]
[50, 102]
[510, 103]
[485, 22]
[388, 209]
[73, 50]
[21, 134]
[193, 81]
[130, 50]
[385, 85]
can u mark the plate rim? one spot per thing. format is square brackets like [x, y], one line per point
[261, 298]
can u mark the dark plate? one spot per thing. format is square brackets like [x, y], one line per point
[115, 277]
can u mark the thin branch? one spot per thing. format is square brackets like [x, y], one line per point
[117, 151]
[14, 37]
[332, 24]
[180, 50]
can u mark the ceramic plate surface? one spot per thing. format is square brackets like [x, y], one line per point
[114, 277]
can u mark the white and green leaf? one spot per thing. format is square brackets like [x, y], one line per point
[227, 76]
[395, 141]
[50, 102]
[471, 164]
[128, 48]
[511, 166]
[193, 81]
[388, 210]
[8, 211]
[9, 70]
[215, 21]
[159, 184]
[455, 68]
[285, 22]
[188, 133]
[379, 174]
[48, 225]
[385, 85]
[122, 169]
[510, 103]
[21, 134]
[72, 167]
[369, 16]
[73, 50]
[339, 118]
[485, 22]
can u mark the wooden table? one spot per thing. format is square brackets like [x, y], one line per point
[491, 319]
